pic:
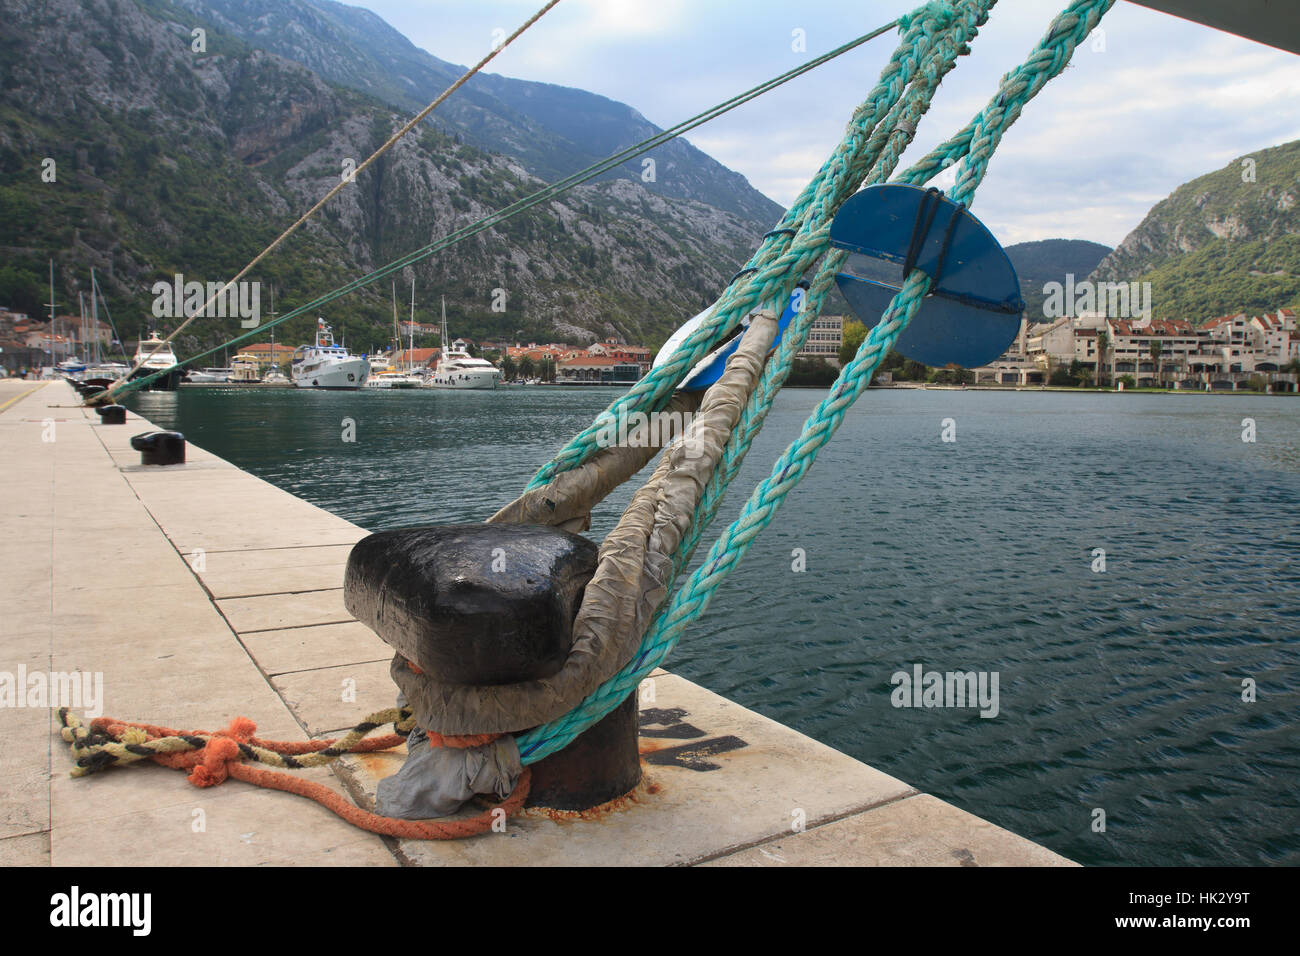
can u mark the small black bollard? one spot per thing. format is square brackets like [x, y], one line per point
[160, 448]
[111, 414]
[491, 604]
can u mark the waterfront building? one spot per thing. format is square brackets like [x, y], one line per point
[1228, 352]
[266, 354]
[824, 339]
[597, 370]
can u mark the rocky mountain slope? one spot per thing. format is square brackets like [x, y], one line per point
[1224, 242]
[551, 130]
[170, 160]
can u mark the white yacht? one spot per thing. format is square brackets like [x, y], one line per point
[71, 368]
[394, 379]
[106, 372]
[456, 368]
[156, 356]
[276, 377]
[326, 365]
[208, 376]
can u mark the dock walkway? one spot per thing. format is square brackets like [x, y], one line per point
[201, 592]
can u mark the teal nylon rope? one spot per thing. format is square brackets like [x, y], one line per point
[886, 144]
[771, 273]
[981, 138]
[545, 194]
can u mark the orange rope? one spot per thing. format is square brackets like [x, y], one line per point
[222, 758]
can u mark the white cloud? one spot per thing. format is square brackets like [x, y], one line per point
[1165, 102]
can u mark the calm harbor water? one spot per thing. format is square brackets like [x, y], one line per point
[1119, 690]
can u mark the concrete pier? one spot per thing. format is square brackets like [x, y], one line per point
[200, 593]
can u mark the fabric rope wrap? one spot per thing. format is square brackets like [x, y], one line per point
[634, 571]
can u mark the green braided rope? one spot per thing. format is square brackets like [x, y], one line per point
[940, 59]
[1046, 61]
[893, 136]
[772, 271]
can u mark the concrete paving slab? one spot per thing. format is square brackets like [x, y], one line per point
[235, 824]
[277, 611]
[311, 648]
[274, 559]
[25, 759]
[918, 831]
[32, 849]
[334, 698]
[718, 778]
[244, 583]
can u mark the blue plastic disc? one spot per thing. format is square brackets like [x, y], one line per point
[971, 315]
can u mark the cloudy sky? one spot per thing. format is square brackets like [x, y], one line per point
[1154, 103]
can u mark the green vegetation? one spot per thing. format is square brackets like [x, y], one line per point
[1222, 243]
[221, 162]
[852, 336]
[1225, 277]
[811, 373]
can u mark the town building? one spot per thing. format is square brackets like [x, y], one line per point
[266, 354]
[597, 370]
[1228, 352]
[824, 339]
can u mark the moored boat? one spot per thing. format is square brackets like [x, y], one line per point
[153, 355]
[456, 368]
[326, 365]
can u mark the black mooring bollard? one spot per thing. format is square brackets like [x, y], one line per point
[111, 414]
[160, 448]
[489, 604]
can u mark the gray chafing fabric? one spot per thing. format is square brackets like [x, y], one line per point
[566, 502]
[438, 781]
[634, 569]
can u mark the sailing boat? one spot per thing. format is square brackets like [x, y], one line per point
[103, 372]
[72, 367]
[274, 376]
[457, 368]
[394, 377]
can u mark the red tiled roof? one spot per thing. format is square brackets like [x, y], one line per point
[416, 356]
[594, 360]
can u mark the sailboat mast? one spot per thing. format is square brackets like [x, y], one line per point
[444, 326]
[94, 315]
[410, 352]
[397, 335]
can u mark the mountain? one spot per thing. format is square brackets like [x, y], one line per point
[1228, 241]
[168, 160]
[1051, 260]
[552, 131]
